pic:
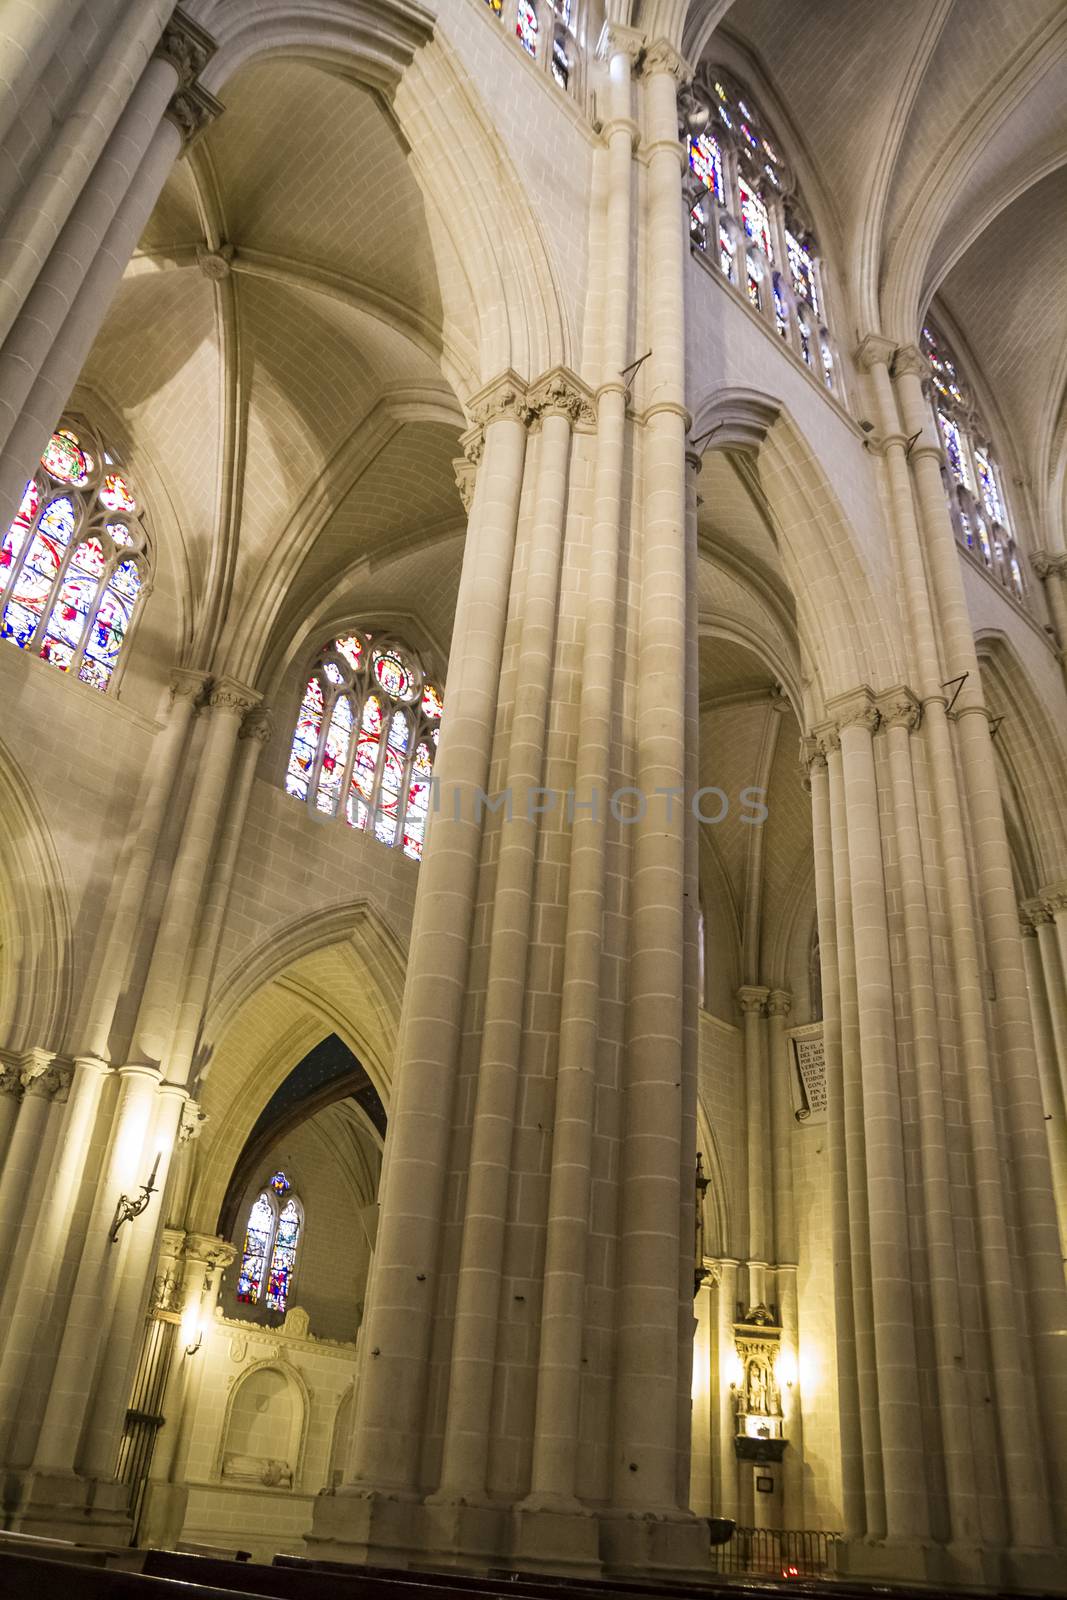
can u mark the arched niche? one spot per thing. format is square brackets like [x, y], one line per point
[265, 1428]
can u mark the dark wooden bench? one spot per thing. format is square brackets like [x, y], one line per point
[32, 1578]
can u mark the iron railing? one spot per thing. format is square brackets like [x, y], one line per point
[775, 1552]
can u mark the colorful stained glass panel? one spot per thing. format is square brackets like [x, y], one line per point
[283, 1257]
[352, 650]
[334, 756]
[392, 675]
[305, 741]
[115, 494]
[254, 1256]
[754, 216]
[66, 461]
[705, 159]
[954, 450]
[802, 272]
[15, 537]
[526, 26]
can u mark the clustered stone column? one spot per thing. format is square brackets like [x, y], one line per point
[63, 1395]
[546, 1063]
[912, 881]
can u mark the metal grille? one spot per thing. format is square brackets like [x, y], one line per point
[144, 1418]
[775, 1552]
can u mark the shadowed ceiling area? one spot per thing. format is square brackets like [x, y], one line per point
[932, 138]
[275, 354]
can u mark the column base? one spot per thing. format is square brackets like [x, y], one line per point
[902, 1561]
[162, 1515]
[565, 1543]
[642, 1544]
[368, 1528]
[62, 1505]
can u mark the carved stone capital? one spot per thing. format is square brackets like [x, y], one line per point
[874, 350]
[827, 739]
[661, 56]
[10, 1079]
[1036, 913]
[504, 398]
[191, 111]
[560, 393]
[857, 708]
[1046, 565]
[910, 361]
[618, 40]
[187, 685]
[1054, 898]
[192, 1121]
[258, 724]
[752, 997]
[44, 1076]
[229, 695]
[466, 476]
[186, 45]
[210, 1249]
[899, 708]
[779, 1003]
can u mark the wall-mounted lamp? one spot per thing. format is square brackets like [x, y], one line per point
[191, 1349]
[127, 1209]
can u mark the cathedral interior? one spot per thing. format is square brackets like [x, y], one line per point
[533, 790]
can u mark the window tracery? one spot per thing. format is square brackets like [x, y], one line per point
[972, 477]
[745, 198]
[366, 739]
[547, 30]
[75, 562]
[272, 1237]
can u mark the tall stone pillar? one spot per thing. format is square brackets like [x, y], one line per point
[398, 1324]
[1018, 1085]
[752, 999]
[560, 1359]
[900, 1418]
[1045, 1044]
[853, 1497]
[40, 1079]
[1052, 570]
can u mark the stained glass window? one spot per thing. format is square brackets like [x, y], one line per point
[955, 450]
[367, 731]
[802, 272]
[727, 254]
[973, 478]
[561, 61]
[754, 278]
[283, 1257]
[272, 1237]
[71, 576]
[987, 482]
[257, 1245]
[757, 204]
[705, 159]
[526, 26]
[754, 216]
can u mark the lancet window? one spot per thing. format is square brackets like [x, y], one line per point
[547, 30]
[75, 562]
[749, 219]
[272, 1238]
[366, 739]
[972, 476]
